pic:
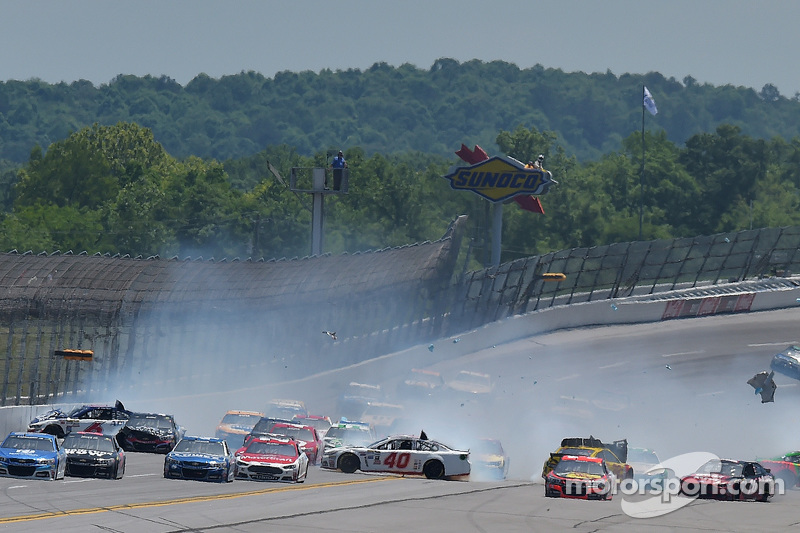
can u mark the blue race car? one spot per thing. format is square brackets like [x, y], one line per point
[201, 458]
[787, 362]
[32, 455]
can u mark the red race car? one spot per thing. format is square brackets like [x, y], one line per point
[275, 458]
[306, 436]
[580, 477]
[725, 479]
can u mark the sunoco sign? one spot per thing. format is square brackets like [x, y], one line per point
[500, 178]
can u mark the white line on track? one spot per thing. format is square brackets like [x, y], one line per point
[612, 365]
[681, 353]
[17, 486]
[711, 393]
[772, 344]
[143, 475]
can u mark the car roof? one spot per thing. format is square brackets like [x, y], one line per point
[235, 412]
[36, 435]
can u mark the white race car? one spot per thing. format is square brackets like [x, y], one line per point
[105, 419]
[400, 454]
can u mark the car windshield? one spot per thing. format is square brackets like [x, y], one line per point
[240, 419]
[200, 446]
[88, 442]
[349, 436]
[28, 443]
[584, 467]
[158, 422]
[725, 468]
[271, 448]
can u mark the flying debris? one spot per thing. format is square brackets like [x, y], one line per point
[763, 384]
[331, 334]
[430, 347]
[668, 367]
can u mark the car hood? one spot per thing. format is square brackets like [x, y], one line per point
[578, 475]
[27, 454]
[711, 478]
[81, 453]
[199, 457]
[268, 458]
[147, 430]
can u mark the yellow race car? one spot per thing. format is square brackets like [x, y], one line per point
[614, 454]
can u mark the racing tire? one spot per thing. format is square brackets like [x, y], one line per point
[349, 463]
[433, 469]
[56, 431]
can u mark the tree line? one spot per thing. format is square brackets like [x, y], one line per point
[115, 189]
[384, 109]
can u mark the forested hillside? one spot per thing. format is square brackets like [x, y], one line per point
[385, 109]
[143, 166]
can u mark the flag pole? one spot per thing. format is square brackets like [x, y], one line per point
[641, 175]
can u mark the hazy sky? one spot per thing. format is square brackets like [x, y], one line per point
[739, 42]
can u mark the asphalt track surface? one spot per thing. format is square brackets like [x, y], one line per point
[676, 387]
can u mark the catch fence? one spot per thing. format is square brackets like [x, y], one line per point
[157, 324]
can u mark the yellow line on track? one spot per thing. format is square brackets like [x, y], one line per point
[179, 501]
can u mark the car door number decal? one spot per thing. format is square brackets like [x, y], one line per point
[397, 460]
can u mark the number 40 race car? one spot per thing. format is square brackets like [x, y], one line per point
[400, 454]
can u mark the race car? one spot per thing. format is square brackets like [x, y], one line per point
[785, 468]
[614, 454]
[787, 362]
[32, 455]
[201, 458]
[401, 454]
[306, 436]
[381, 415]
[273, 458]
[642, 459]
[235, 425]
[580, 477]
[354, 399]
[725, 479]
[90, 418]
[93, 455]
[349, 434]
[421, 384]
[285, 408]
[321, 423]
[150, 432]
[489, 459]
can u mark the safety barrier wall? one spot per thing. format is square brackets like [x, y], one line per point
[151, 322]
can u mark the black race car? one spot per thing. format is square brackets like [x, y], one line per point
[93, 455]
[150, 432]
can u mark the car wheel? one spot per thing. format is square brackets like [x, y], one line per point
[433, 469]
[54, 430]
[349, 463]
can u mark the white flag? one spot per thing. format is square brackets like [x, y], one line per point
[649, 103]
